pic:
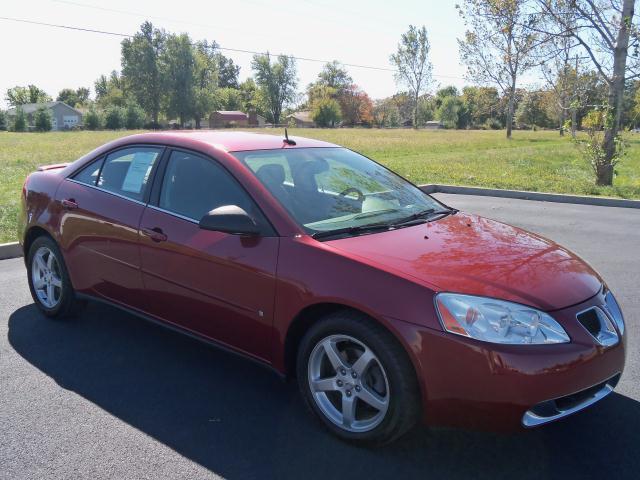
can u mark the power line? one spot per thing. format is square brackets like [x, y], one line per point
[228, 49]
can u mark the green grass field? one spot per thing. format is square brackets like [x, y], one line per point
[535, 161]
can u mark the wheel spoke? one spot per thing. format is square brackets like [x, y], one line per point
[348, 410]
[40, 262]
[333, 355]
[372, 399]
[38, 283]
[56, 282]
[324, 384]
[50, 294]
[50, 259]
[360, 365]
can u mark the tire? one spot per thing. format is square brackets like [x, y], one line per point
[381, 399]
[49, 280]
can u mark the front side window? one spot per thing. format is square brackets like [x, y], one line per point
[333, 188]
[193, 186]
[126, 172]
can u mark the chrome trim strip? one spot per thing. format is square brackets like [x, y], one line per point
[530, 419]
[107, 191]
[188, 219]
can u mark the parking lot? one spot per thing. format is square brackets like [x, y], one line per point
[110, 396]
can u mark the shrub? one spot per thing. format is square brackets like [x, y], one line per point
[20, 122]
[492, 124]
[93, 119]
[43, 120]
[115, 118]
[135, 116]
[3, 120]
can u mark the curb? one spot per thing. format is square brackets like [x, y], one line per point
[524, 195]
[10, 250]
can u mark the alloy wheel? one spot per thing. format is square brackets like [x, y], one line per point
[46, 277]
[348, 383]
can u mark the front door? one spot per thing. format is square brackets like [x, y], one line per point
[99, 229]
[216, 284]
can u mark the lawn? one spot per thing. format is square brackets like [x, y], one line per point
[535, 161]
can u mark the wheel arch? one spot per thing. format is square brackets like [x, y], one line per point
[32, 233]
[313, 313]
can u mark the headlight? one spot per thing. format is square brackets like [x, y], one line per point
[497, 321]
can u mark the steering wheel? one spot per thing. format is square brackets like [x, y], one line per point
[353, 190]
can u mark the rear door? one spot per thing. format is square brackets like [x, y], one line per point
[103, 205]
[219, 285]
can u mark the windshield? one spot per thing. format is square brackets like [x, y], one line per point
[327, 189]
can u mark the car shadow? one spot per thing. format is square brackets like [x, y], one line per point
[239, 420]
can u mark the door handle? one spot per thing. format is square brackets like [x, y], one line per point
[156, 234]
[69, 204]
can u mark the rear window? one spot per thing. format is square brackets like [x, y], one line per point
[126, 172]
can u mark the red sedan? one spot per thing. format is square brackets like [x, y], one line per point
[388, 306]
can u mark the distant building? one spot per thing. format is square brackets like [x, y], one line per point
[63, 117]
[256, 120]
[228, 118]
[433, 125]
[301, 119]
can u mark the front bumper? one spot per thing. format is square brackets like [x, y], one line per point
[474, 384]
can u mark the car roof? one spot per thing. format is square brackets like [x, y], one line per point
[227, 141]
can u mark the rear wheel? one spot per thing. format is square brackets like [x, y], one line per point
[49, 281]
[357, 379]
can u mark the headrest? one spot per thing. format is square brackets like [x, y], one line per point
[272, 173]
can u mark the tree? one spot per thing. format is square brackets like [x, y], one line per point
[72, 97]
[277, 82]
[413, 65]
[110, 90]
[93, 119]
[23, 95]
[481, 104]
[532, 110]
[356, 106]
[205, 80]
[603, 30]
[229, 99]
[227, 72]
[178, 71]
[20, 121]
[141, 56]
[134, 116]
[43, 120]
[326, 112]
[498, 47]
[386, 113]
[335, 76]
[3, 121]
[115, 118]
[426, 109]
[449, 110]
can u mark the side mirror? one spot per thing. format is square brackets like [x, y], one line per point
[229, 219]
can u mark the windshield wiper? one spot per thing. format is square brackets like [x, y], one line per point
[423, 215]
[351, 230]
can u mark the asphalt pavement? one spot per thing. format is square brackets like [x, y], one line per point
[108, 395]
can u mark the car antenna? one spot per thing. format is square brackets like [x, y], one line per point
[286, 138]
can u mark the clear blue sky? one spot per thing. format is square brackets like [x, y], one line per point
[356, 31]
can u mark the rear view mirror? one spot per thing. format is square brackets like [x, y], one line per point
[229, 219]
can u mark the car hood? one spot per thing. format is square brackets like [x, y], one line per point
[478, 256]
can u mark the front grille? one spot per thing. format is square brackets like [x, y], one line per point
[599, 325]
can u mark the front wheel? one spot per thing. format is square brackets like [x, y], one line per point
[49, 281]
[358, 379]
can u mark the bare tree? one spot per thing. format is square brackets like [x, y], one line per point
[498, 44]
[605, 31]
[412, 61]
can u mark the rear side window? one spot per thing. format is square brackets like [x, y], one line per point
[89, 174]
[126, 172]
